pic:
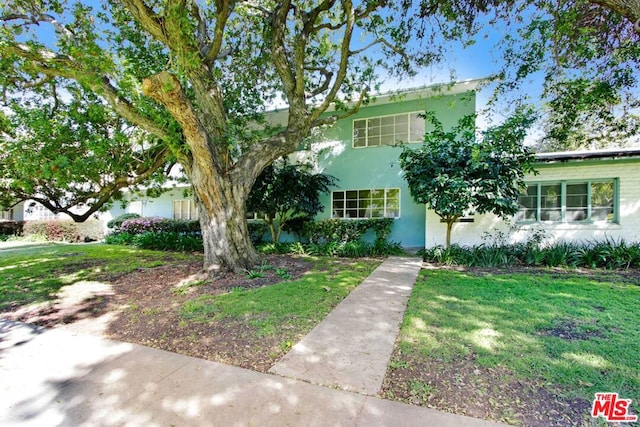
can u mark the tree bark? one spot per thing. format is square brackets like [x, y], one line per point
[227, 244]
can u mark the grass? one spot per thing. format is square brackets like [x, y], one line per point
[31, 275]
[577, 334]
[294, 304]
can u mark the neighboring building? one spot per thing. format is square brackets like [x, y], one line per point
[15, 213]
[575, 196]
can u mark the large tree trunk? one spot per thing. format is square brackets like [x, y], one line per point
[223, 221]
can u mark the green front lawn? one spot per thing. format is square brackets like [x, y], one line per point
[573, 334]
[31, 275]
[295, 305]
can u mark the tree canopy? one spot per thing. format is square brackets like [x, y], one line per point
[576, 61]
[73, 156]
[455, 175]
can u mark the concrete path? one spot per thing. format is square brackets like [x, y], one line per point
[59, 378]
[351, 348]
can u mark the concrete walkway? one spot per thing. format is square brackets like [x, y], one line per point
[59, 378]
[351, 348]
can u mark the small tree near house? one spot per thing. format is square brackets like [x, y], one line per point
[454, 173]
[284, 192]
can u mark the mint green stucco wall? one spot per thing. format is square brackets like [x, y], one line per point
[378, 167]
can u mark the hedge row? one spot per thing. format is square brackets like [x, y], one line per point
[326, 237]
[608, 254]
[159, 225]
[63, 230]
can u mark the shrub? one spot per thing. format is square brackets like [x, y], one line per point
[119, 239]
[63, 230]
[344, 231]
[117, 221]
[257, 230]
[168, 241]
[608, 253]
[156, 224]
[11, 228]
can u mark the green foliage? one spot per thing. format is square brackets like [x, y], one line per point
[168, 241]
[117, 221]
[159, 225]
[119, 238]
[11, 228]
[257, 230]
[454, 174]
[61, 152]
[62, 230]
[285, 192]
[608, 254]
[339, 238]
[589, 56]
[347, 231]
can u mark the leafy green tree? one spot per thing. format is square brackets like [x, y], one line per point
[197, 78]
[73, 156]
[586, 54]
[284, 192]
[454, 174]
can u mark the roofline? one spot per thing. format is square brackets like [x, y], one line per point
[428, 91]
[566, 156]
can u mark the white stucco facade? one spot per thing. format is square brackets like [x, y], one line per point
[625, 170]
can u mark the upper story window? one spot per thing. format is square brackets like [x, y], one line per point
[569, 201]
[185, 209]
[376, 203]
[388, 130]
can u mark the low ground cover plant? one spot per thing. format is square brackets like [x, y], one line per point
[608, 254]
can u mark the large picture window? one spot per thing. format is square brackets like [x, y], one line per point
[377, 203]
[388, 130]
[569, 201]
[185, 209]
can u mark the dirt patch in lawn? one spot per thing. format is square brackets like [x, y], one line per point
[463, 387]
[143, 307]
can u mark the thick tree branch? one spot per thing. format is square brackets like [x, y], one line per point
[51, 64]
[335, 117]
[630, 9]
[37, 19]
[344, 61]
[165, 88]
[279, 51]
[223, 12]
[327, 76]
[147, 18]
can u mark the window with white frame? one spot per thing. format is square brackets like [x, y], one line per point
[569, 201]
[185, 209]
[373, 203]
[388, 130]
[38, 212]
[7, 215]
